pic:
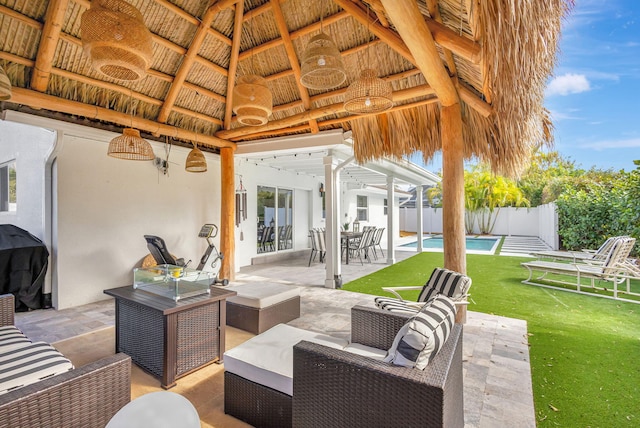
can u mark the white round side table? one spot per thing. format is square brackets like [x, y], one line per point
[161, 409]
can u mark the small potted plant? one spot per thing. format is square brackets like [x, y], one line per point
[345, 226]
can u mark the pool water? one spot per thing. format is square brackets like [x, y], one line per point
[476, 244]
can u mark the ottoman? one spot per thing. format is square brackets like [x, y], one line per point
[258, 307]
[258, 375]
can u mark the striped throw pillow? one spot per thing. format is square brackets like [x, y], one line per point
[422, 337]
[447, 282]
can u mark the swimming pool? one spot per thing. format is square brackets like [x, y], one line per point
[481, 245]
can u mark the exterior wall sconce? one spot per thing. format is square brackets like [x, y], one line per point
[321, 190]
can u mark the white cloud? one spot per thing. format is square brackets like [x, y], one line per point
[629, 143]
[568, 83]
[557, 116]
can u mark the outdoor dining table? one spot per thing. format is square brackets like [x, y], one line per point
[345, 237]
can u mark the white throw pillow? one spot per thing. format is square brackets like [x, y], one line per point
[422, 337]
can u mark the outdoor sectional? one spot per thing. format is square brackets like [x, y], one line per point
[85, 397]
[332, 387]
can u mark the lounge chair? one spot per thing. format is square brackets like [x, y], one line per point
[616, 269]
[442, 281]
[598, 255]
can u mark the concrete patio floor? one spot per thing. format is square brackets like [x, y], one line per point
[497, 374]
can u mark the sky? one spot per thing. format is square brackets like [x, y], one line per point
[594, 92]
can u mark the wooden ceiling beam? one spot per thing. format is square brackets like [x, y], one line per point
[444, 36]
[211, 66]
[17, 59]
[293, 35]
[331, 122]
[417, 36]
[48, 42]
[233, 63]
[20, 17]
[390, 37]
[190, 57]
[265, 7]
[293, 59]
[39, 100]
[204, 91]
[434, 11]
[336, 108]
[379, 11]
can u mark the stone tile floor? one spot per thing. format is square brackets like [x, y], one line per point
[497, 374]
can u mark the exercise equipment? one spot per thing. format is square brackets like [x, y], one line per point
[211, 260]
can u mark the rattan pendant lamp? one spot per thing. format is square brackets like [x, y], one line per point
[252, 100]
[368, 94]
[5, 86]
[322, 66]
[196, 161]
[130, 145]
[117, 41]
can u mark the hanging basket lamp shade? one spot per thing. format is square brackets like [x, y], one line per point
[131, 146]
[5, 86]
[252, 100]
[368, 94]
[322, 66]
[117, 41]
[195, 161]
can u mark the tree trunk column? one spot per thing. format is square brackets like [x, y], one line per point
[453, 193]
[227, 213]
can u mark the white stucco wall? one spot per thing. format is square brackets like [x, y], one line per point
[106, 205]
[30, 147]
[307, 206]
[375, 199]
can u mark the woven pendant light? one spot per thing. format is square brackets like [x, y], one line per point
[5, 86]
[322, 66]
[368, 94]
[131, 146]
[252, 100]
[195, 161]
[117, 41]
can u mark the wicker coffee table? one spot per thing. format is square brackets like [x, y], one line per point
[170, 339]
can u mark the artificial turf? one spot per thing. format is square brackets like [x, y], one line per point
[584, 350]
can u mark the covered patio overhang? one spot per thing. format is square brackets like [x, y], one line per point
[329, 155]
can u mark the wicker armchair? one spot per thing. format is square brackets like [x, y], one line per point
[87, 396]
[337, 388]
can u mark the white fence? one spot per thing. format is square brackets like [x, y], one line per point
[541, 221]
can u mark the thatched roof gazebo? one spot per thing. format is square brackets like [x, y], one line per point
[467, 77]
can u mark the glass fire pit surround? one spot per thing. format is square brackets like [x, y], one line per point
[171, 281]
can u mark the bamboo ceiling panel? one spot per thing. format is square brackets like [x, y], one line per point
[490, 47]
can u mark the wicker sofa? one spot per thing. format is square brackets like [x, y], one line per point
[87, 396]
[334, 388]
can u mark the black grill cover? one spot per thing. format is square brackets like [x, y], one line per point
[23, 265]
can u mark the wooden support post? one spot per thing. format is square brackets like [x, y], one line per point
[227, 214]
[453, 193]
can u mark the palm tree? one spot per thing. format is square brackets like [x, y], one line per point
[484, 195]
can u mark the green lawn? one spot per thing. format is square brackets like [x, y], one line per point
[585, 351]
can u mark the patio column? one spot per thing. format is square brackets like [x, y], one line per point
[333, 272]
[227, 214]
[419, 228]
[391, 233]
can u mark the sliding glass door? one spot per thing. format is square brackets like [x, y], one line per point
[275, 219]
